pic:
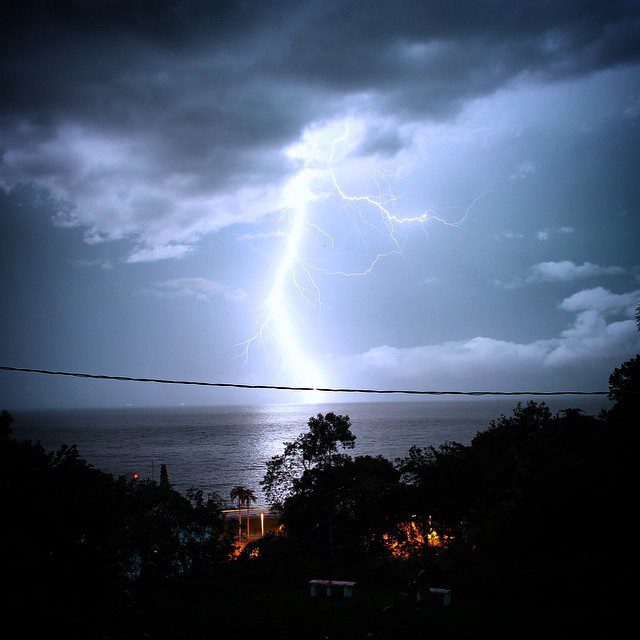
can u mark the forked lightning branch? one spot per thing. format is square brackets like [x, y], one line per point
[293, 284]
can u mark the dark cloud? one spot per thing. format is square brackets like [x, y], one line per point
[151, 116]
[381, 140]
[151, 54]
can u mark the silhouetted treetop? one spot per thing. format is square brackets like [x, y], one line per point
[624, 390]
[317, 447]
[6, 420]
[164, 476]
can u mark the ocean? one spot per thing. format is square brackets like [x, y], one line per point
[216, 448]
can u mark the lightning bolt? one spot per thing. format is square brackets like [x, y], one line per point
[291, 273]
[293, 277]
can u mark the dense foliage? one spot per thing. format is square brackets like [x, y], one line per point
[529, 522]
[535, 504]
[77, 540]
[540, 499]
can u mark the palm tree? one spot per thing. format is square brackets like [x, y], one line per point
[249, 497]
[236, 494]
[243, 497]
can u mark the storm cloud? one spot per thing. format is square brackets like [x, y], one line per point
[159, 122]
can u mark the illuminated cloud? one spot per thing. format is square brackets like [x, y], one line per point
[563, 271]
[260, 235]
[199, 288]
[602, 301]
[591, 341]
[544, 234]
[158, 252]
[510, 235]
[567, 270]
[99, 263]
[524, 169]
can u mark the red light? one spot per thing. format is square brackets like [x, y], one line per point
[135, 476]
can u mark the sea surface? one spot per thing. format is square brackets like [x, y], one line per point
[216, 448]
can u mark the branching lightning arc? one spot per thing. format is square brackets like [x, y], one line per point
[293, 278]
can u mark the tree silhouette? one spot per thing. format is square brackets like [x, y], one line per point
[6, 420]
[312, 465]
[624, 390]
[76, 540]
[164, 477]
[624, 386]
[318, 447]
[243, 497]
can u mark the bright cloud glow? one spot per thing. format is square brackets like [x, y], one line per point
[590, 341]
[602, 301]
[199, 288]
[112, 187]
[563, 271]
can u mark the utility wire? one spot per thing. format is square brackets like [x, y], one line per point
[237, 385]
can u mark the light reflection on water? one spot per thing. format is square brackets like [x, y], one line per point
[216, 448]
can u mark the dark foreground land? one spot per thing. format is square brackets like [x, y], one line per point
[228, 610]
[530, 526]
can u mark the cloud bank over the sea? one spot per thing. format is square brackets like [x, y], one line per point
[601, 334]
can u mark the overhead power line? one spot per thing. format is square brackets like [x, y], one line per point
[237, 385]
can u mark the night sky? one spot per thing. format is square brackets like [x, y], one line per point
[438, 195]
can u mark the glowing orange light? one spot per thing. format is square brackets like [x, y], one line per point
[409, 538]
